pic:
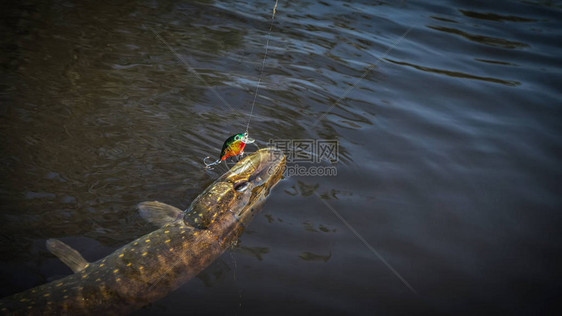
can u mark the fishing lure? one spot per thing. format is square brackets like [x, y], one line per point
[233, 146]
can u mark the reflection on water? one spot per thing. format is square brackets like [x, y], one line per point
[256, 252]
[449, 146]
[309, 256]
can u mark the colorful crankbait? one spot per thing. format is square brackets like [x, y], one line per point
[233, 146]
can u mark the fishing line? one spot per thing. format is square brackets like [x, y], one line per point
[262, 65]
[234, 145]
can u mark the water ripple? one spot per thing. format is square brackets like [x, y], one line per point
[482, 39]
[455, 74]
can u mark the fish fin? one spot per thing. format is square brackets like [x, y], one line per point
[159, 213]
[68, 255]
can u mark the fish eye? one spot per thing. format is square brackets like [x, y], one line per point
[237, 137]
[241, 186]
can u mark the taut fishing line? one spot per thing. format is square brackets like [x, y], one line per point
[234, 145]
[262, 65]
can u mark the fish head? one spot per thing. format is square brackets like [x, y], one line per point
[236, 197]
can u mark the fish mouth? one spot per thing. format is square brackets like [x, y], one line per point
[259, 168]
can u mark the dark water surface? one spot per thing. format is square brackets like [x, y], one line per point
[449, 147]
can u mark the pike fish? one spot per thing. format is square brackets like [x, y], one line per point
[155, 264]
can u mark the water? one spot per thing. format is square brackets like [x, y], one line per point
[447, 116]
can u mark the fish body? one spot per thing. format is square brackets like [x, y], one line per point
[155, 264]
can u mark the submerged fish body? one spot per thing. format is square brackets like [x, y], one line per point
[151, 266]
[136, 274]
